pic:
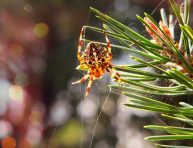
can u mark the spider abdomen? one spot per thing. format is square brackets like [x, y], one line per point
[95, 55]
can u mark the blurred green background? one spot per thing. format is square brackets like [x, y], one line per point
[39, 107]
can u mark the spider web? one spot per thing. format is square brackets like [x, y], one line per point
[106, 100]
[101, 110]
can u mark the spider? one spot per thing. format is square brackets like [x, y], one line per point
[97, 59]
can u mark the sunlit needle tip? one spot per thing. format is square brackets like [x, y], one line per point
[75, 82]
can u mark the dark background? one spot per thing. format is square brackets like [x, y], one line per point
[39, 107]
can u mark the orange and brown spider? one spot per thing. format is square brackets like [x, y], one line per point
[97, 59]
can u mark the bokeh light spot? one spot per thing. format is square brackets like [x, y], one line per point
[40, 30]
[16, 92]
[35, 116]
[5, 128]
[69, 134]
[16, 50]
[21, 79]
[8, 142]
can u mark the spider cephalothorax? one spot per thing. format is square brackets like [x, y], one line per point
[95, 58]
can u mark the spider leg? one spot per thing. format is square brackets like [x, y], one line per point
[80, 43]
[89, 86]
[82, 79]
[108, 45]
[115, 75]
